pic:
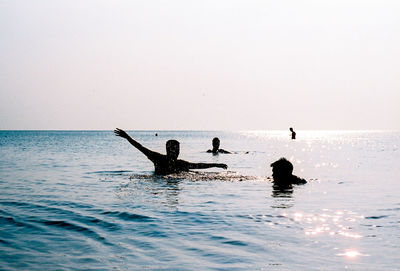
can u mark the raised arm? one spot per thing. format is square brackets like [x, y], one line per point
[206, 165]
[150, 154]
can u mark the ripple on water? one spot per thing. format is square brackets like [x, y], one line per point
[14, 222]
[37, 210]
[54, 220]
[68, 226]
[227, 241]
[129, 216]
[376, 217]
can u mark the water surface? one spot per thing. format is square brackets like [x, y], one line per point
[87, 200]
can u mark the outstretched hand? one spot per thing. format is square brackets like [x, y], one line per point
[121, 133]
[224, 166]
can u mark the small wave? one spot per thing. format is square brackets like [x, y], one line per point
[70, 204]
[376, 217]
[128, 216]
[86, 219]
[371, 225]
[235, 243]
[72, 227]
[197, 218]
[111, 172]
[154, 233]
[224, 240]
[261, 218]
[14, 203]
[15, 223]
[4, 242]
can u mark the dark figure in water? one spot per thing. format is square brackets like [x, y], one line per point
[282, 174]
[167, 164]
[293, 133]
[216, 149]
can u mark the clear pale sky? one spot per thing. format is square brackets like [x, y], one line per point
[203, 65]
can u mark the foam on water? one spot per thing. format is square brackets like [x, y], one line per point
[88, 200]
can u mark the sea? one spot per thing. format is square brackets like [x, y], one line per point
[88, 200]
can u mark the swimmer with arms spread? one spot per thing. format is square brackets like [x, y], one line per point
[216, 149]
[167, 164]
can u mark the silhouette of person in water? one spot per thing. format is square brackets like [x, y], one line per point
[216, 149]
[282, 174]
[167, 164]
[293, 133]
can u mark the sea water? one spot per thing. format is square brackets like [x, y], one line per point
[88, 200]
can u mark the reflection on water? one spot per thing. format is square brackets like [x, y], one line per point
[351, 254]
[328, 222]
[143, 188]
[335, 225]
[283, 197]
[278, 192]
[164, 190]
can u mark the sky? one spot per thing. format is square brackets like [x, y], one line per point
[200, 65]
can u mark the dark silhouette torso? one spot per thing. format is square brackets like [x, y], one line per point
[288, 181]
[165, 166]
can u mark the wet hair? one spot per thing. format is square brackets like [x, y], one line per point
[283, 166]
[215, 139]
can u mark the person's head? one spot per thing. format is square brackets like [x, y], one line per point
[291, 129]
[215, 143]
[172, 149]
[281, 170]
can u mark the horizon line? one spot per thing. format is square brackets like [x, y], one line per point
[208, 130]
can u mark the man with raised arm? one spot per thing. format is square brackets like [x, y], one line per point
[167, 164]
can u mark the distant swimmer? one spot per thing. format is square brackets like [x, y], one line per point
[167, 164]
[282, 174]
[293, 133]
[216, 149]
